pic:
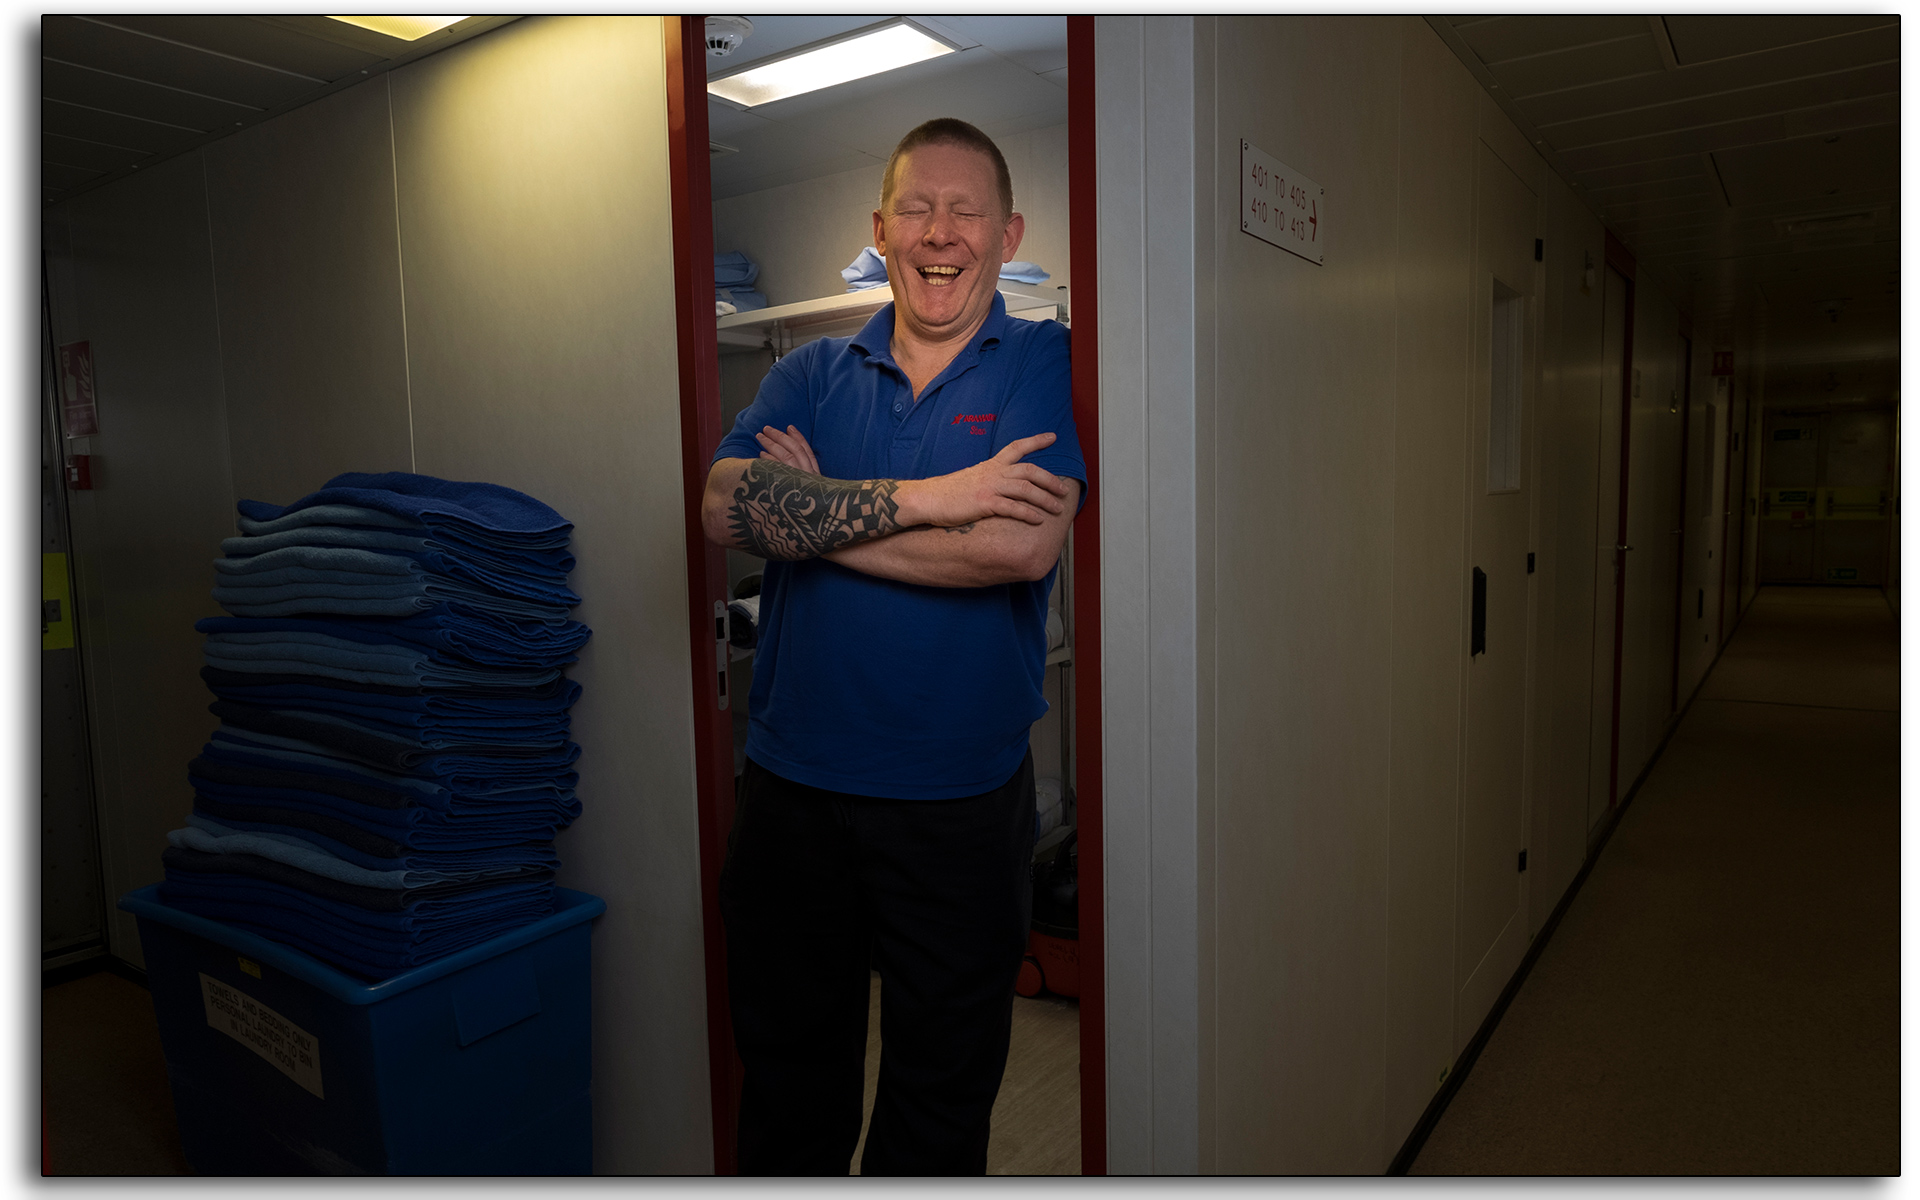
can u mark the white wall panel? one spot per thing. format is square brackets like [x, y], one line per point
[537, 241]
[308, 262]
[135, 279]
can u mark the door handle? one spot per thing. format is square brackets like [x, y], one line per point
[1479, 645]
[1623, 547]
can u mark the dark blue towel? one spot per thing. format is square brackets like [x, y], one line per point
[560, 692]
[483, 507]
[458, 631]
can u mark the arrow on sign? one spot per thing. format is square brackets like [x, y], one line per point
[1314, 220]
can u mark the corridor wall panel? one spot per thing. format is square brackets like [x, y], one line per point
[1430, 462]
[1653, 523]
[507, 316]
[1305, 419]
[1573, 377]
[537, 241]
[130, 272]
[308, 267]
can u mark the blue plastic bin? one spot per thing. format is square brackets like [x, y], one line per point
[477, 1064]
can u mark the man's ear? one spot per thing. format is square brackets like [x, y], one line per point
[1010, 243]
[879, 234]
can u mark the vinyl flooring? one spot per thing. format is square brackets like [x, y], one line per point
[1036, 1119]
[104, 1081]
[1723, 995]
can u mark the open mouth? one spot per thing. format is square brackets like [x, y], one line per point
[938, 276]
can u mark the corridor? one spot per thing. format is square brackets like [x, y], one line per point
[1722, 996]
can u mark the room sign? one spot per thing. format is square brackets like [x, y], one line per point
[1280, 206]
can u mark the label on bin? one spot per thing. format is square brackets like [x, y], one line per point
[265, 1031]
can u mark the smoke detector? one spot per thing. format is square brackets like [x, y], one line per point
[724, 34]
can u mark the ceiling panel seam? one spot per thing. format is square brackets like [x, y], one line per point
[203, 50]
[1761, 116]
[1696, 96]
[150, 83]
[1501, 62]
[45, 100]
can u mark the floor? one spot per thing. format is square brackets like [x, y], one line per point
[1722, 997]
[109, 1111]
[104, 1082]
[1036, 1119]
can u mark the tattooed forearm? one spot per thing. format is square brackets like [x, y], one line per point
[781, 512]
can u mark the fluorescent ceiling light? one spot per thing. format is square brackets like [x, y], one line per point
[407, 29]
[868, 52]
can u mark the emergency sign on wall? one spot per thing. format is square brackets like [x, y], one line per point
[1280, 206]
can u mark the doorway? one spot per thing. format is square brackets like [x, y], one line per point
[788, 224]
[1610, 535]
[1492, 893]
[1826, 498]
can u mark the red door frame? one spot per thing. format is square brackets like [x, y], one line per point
[1621, 260]
[699, 362]
[691, 187]
[1084, 248]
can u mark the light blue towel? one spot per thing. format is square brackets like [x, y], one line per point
[214, 838]
[869, 270]
[734, 269]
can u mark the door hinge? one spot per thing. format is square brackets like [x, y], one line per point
[720, 647]
[1523, 860]
[1529, 562]
[1539, 250]
[1477, 634]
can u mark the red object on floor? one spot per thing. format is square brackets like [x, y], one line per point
[1052, 964]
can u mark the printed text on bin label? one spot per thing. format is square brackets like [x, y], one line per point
[264, 1031]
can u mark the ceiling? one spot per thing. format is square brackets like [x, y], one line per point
[121, 92]
[1733, 155]
[1011, 76]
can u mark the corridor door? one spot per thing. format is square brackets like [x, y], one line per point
[1790, 475]
[1491, 923]
[1610, 554]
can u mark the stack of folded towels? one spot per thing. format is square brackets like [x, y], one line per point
[393, 758]
[734, 275]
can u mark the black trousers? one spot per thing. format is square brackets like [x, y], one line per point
[820, 886]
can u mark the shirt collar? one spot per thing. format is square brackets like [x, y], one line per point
[875, 339]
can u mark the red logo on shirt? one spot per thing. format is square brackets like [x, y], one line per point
[972, 419]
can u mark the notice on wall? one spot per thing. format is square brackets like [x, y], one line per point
[77, 412]
[263, 1031]
[1280, 206]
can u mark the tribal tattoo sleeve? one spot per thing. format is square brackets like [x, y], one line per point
[780, 512]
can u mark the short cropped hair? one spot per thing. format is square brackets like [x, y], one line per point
[950, 131]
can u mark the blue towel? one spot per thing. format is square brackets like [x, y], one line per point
[869, 270]
[457, 631]
[394, 812]
[404, 597]
[742, 298]
[485, 508]
[227, 747]
[734, 269]
[319, 653]
[471, 776]
[539, 562]
[202, 834]
[348, 564]
[558, 695]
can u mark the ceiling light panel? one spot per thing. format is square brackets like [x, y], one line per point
[884, 48]
[407, 29]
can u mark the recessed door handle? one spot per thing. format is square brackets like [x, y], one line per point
[1623, 547]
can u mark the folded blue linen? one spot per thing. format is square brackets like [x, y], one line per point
[558, 694]
[460, 829]
[542, 563]
[392, 812]
[202, 834]
[312, 849]
[347, 515]
[743, 299]
[230, 747]
[734, 269]
[404, 596]
[482, 508]
[319, 654]
[468, 774]
[867, 270]
[387, 751]
[367, 905]
[457, 632]
[348, 564]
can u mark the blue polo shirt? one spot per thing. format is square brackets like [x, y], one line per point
[881, 688]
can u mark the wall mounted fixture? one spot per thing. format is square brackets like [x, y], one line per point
[884, 47]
